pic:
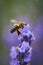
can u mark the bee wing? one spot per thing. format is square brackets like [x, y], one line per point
[13, 21]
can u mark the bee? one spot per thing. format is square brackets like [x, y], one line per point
[17, 25]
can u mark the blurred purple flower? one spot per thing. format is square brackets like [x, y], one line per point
[13, 52]
[14, 62]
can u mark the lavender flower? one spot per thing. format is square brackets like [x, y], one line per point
[20, 38]
[26, 28]
[27, 57]
[13, 52]
[24, 46]
[33, 37]
[22, 54]
[14, 62]
[26, 36]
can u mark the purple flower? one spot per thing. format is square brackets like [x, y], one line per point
[26, 28]
[14, 62]
[13, 52]
[24, 46]
[20, 38]
[28, 55]
[27, 58]
[23, 52]
[33, 37]
[26, 36]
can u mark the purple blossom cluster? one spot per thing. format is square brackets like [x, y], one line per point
[21, 55]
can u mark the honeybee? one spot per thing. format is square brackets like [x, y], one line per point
[17, 25]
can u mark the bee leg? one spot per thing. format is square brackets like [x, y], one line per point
[18, 32]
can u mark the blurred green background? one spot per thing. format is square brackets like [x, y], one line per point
[11, 9]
